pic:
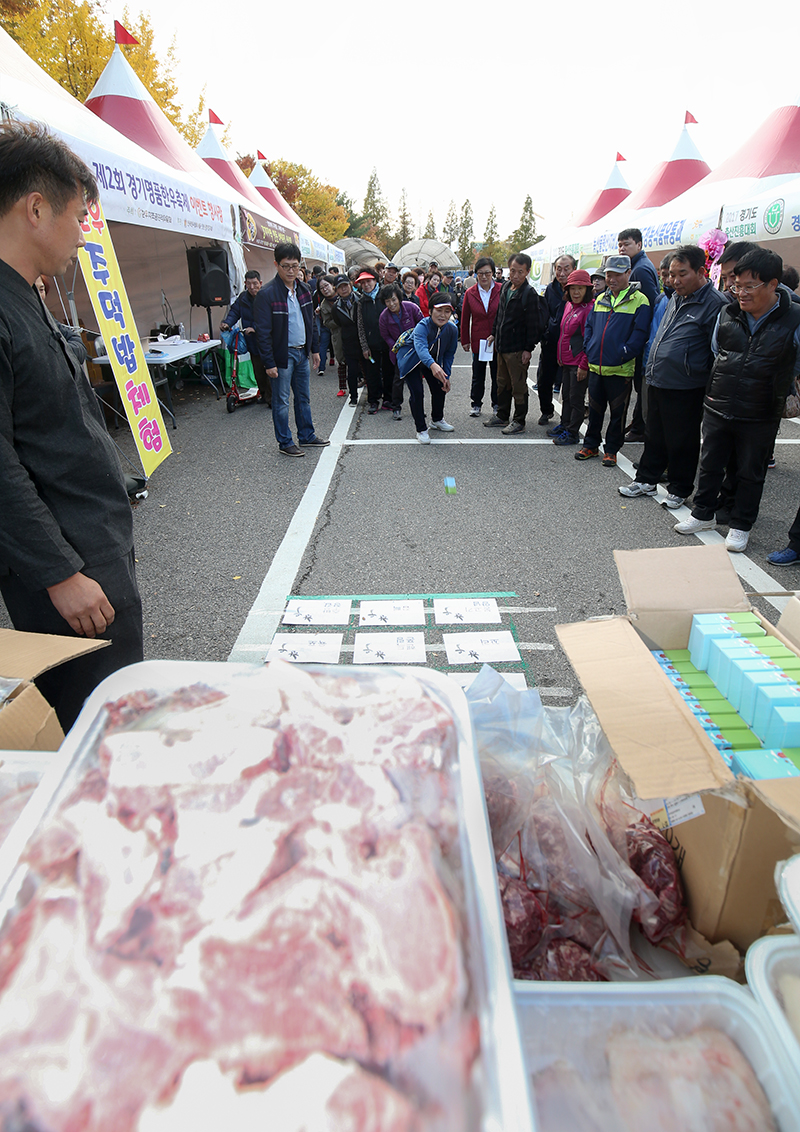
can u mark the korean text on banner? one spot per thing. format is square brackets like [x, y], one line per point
[101, 273]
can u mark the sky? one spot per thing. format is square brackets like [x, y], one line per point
[449, 104]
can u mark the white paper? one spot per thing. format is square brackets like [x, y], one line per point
[666, 812]
[515, 679]
[480, 648]
[466, 611]
[302, 648]
[485, 353]
[389, 648]
[384, 612]
[299, 612]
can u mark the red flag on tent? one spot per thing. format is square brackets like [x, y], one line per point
[689, 120]
[213, 119]
[619, 157]
[260, 155]
[122, 35]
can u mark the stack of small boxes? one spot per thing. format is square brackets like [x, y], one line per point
[742, 685]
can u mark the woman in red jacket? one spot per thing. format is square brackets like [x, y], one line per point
[477, 320]
[428, 287]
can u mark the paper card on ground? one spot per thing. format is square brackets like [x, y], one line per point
[411, 612]
[485, 353]
[299, 612]
[304, 648]
[466, 611]
[389, 648]
[480, 648]
[515, 679]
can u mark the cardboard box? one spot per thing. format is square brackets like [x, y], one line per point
[728, 853]
[27, 722]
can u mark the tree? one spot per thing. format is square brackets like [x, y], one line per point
[313, 201]
[430, 228]
[466, 236]
[357, 224]
[450, 231]
[404, 226]
[376, 212]
[525, 235]
[491, 237]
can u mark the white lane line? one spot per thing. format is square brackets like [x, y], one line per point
[264, 616]
[554, 691]
[506, 441]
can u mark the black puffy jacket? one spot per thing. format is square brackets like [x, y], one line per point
[753, 372]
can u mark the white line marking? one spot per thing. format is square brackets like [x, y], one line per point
[505, 440]
[264, 617]
[555, 691]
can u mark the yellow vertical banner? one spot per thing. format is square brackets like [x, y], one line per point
[112, 310]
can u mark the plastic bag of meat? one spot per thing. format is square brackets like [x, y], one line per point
[524, 916]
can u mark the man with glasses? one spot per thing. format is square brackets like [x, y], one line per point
[242, 311]
[756, 342]
[518, 326]
[547, 377]
[478, 311]
[286, 333]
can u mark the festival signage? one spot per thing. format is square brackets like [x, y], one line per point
[262, 233]
[112, 309]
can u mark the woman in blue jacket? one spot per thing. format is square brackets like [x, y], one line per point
[429, 353]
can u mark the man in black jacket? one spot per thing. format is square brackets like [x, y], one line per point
[519, 324]
[756, 340]
[629, 242]
[678, 368]
[66, 535]
[243, 310]
[555, 299]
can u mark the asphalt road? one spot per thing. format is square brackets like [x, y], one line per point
[526, 521]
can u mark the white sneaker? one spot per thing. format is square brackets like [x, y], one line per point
[475, 411]
[423, 437]
[673, 502]
[635, 489]
[691, 525]
[442, 426]
[736, 541]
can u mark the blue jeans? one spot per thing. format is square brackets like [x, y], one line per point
[324, 345]
[295, 377]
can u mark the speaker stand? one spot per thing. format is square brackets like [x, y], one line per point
[214, 361]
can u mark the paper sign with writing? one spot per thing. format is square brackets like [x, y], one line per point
[112, 310]
[466, 611]
[411, 612]
[389, 648]
[306, 648]
[299, 612]
[480, 648]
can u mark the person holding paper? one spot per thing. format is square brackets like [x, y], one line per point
[66, 535]
[478, 312]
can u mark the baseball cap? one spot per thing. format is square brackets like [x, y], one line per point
[618, 263]
[341, 279]
[369, 275]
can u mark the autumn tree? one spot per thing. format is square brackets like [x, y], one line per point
[491, 237]
[525, 234]
[430, 228]
[466, 235]
[313, 201]
[451, 227]
[357, 224]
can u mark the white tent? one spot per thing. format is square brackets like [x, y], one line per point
[312, 246]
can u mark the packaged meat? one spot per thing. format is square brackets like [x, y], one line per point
[690, 1054]
[252, 879]
[772, 965]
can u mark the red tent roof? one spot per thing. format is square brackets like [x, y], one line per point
[671, 178]
[213, 152]
[615, 191]
[263, 183]
[773, 150]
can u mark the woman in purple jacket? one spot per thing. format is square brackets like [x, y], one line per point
[397, 317]
[572, 359]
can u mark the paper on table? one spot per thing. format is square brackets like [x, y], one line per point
[316, 612]
[386, 612]
[476, 648]
[466, 611]
[305, 648]
[389, 648]
[485, 353]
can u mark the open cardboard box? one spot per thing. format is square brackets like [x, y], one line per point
[27, 722]
[727, 854]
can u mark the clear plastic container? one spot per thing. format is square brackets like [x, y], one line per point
[500, 1080]
[564, 1022]
[789, 890]
[766, 961]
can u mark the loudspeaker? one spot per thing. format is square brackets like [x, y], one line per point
[208, 277]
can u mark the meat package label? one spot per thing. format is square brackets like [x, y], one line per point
[389, 648]
[384, 612]
[322, 648]
[667, 812]
[317, 612]
[466, 611]
[479, 648]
